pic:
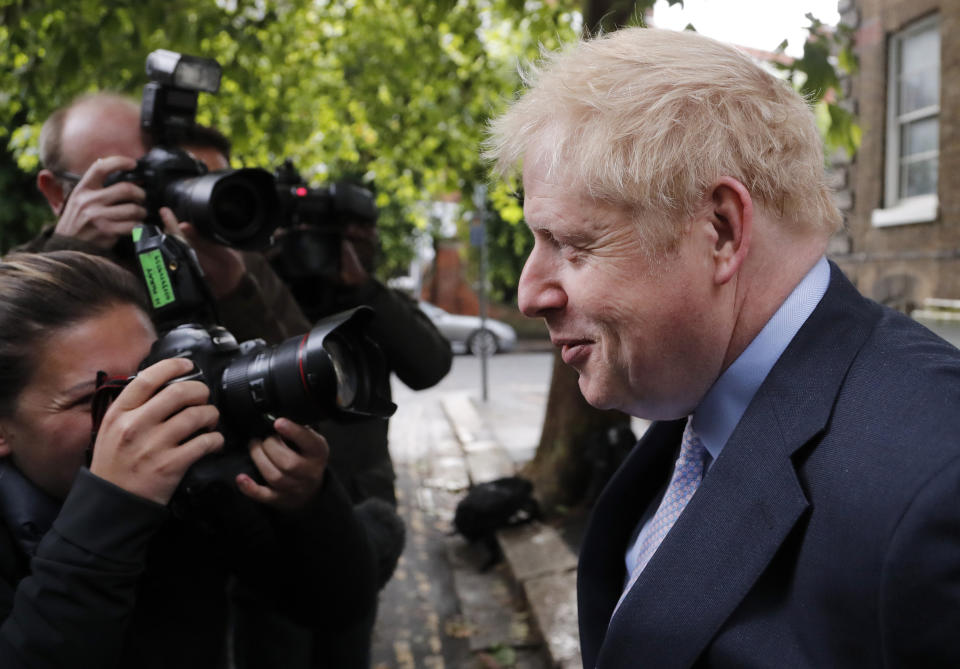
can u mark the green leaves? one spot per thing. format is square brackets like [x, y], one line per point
[827, 56]
[394, 93]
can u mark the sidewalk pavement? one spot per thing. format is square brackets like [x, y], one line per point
[520, 614]
[539, 561]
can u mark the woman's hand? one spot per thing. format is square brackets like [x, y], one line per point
[292, 477]
[148, 439]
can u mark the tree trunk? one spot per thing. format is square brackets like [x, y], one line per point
[609, 15]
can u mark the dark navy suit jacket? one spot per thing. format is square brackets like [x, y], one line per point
[827, 532]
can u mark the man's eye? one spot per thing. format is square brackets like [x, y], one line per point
[570, 252]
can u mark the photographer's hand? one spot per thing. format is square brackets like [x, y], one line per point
[139, 447]
[292, 478]
[352, 271]
[102, 215]
[223, 266]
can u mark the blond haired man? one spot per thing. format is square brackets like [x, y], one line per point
[797, 502]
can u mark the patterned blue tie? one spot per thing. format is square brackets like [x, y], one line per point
[687, 474]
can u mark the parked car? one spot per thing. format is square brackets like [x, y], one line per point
[465, 333]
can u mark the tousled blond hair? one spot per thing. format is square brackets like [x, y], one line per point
[649, 119]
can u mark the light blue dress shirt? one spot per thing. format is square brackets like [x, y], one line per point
[725, 403]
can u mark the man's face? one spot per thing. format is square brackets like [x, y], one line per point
[98, 130]
[209, 156]
[643, 335]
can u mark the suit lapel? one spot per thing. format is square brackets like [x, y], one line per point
[612, 522]
[727, 535]
[745, 508]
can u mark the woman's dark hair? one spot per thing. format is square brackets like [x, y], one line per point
[40, 295]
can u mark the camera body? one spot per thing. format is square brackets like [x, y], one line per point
[312, 224]
[331, 372]
[233, 207]
[334, 371]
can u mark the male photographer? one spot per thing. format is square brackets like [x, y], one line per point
[98, 134]
[414, 349]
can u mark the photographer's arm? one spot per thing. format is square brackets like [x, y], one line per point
[252, 301]
[263, 305]
[73, 608]
[415, 350]
[324, 571]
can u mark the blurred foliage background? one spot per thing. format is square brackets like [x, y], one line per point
[394, 93]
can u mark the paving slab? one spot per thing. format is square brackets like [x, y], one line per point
[491, 611]
[464, 419]
[489, 465]
[553, 600]
[448, 473]
[535, 549]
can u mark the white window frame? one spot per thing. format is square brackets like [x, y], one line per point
[919, 208]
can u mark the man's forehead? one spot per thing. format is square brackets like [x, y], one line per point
[99, 129]
[548, 189]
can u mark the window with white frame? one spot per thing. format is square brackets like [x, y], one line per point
[913, 125]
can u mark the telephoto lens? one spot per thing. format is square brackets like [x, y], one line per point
[332, 371]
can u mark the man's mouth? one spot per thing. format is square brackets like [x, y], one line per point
[573, 351]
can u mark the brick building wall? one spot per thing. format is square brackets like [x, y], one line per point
[899, 265]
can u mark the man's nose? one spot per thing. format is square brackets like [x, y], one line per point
[539, 291]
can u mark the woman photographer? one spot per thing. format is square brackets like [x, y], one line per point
[94, 569]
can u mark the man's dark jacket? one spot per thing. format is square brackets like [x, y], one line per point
[827, 532]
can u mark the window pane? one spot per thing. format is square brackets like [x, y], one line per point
[918, 90]
[920, 71]
[920, 51]
[919, 136]
[919, 178]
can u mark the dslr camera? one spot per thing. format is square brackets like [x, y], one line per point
[331, 372]
[237, 208]
[334, 371]
[307, 247]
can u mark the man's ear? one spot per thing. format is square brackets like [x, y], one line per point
[52, 189]
[731, 215]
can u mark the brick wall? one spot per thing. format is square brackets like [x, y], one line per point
[900, 265]
[447, 286]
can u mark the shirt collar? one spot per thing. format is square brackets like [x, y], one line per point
[725, 403]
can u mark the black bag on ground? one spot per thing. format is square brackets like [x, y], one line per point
[494, 505]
